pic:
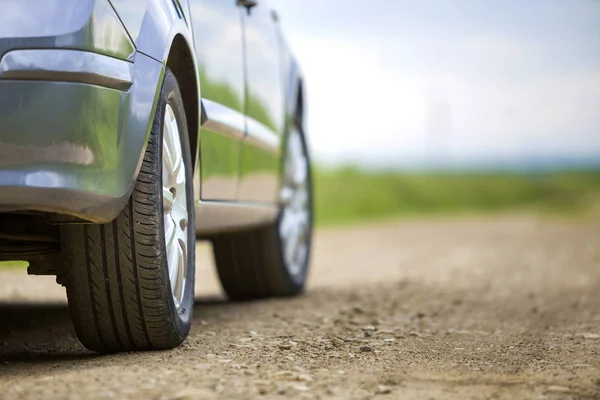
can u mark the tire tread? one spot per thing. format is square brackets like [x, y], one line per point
[115, 277]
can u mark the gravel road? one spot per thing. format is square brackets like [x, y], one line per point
[503, 307]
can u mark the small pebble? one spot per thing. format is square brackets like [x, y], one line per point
[300, 387]
[368, 328]
[242, 346]
[366, 349]
[559, 389]
[305, 378]
[382, 389]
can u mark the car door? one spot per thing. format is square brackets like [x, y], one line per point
[264, 104]
[218, 41]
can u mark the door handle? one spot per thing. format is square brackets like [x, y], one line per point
[247, 3]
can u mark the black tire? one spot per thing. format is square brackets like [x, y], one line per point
[251, 264]
[116, 273]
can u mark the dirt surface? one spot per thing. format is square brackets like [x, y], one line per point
[486, 308]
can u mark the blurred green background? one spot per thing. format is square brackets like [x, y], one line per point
[350, 194]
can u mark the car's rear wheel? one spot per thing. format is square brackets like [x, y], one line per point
[273, 260]
[130, 282]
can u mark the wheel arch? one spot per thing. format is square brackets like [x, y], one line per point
[295, 96]
[182, 63]
[299, 109]
[295, 105]
[172, 44]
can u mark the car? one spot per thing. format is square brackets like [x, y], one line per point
[131, 128]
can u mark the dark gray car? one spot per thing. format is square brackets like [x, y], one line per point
[129, 128]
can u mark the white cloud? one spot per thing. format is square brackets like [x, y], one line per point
[357, 105]
[375, 101]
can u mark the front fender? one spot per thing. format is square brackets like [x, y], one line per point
[161, 29]
[153, 24]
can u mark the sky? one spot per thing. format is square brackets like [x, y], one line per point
[452, 82]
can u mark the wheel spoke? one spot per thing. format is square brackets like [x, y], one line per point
[174, 206]
[300, 172]
[300, 200]
[175, 138]
[168, 198]
[292, 243]
[170, 231]
[294, 196]
[179, 213]
[181, 236]
[286, 195]
[286, 224]
[172, 259]
[167, 163]
[180, 278]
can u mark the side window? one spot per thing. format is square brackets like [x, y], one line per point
[218, 39]
[264, 95]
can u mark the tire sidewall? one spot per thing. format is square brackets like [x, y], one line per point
[182, 316]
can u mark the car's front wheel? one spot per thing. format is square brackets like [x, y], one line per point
[130, 282]
[273, 260]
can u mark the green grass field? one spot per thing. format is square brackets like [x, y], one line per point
[13, 264]
[349, 195]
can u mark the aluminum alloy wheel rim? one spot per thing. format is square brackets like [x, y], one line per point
[294, 225]
[174, 206]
